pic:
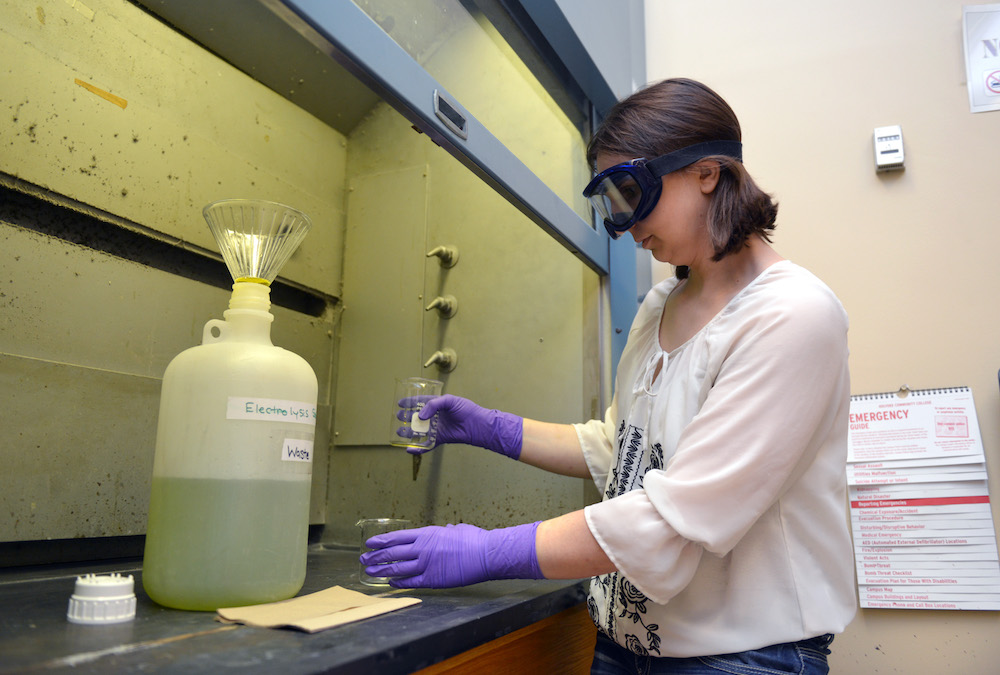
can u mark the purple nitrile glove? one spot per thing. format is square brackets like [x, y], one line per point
[454, 555]
[459, 420]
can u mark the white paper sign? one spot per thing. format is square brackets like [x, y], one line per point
[981, 37]
[919, 501]
[297, 450]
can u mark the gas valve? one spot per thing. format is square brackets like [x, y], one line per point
[447, 255]
[446, 360]
[446, 305]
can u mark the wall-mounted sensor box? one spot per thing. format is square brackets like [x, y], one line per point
[888, 143]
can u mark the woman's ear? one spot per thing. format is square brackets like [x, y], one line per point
[708, 176]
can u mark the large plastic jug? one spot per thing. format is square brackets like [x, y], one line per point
[229, 508]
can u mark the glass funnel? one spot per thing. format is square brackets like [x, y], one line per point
[256, 237]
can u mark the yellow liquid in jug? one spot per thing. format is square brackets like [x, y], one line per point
[225, 543]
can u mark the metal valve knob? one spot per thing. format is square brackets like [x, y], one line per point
[447, 255]
[446, 305]
[446, 360]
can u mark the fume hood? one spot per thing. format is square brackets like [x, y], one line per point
[401, 128]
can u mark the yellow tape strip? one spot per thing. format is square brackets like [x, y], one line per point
[107, 96]
[82, 8]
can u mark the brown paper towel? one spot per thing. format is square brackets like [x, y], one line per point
[312, 613]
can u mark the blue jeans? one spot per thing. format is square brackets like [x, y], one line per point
[807, 657]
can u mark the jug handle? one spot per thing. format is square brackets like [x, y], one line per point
[215, 331]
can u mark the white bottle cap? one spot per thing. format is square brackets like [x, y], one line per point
[102, 599]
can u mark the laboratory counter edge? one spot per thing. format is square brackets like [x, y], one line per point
[35, 635]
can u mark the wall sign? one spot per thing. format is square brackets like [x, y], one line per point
[920, 503]
[981, 37]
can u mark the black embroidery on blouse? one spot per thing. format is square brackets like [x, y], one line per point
[622, 599]
[632, 457]
[655, 458]
[612, 484]
[613, 480]
[633, 605]
[606, 583]
[625, 472]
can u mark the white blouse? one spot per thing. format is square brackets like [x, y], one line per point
[724, 476]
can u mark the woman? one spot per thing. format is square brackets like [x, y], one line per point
[721, 543]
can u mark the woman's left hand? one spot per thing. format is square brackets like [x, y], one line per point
[454, 555]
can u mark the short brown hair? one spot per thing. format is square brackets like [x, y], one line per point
[673, 114]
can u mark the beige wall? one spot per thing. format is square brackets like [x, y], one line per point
[912, 255]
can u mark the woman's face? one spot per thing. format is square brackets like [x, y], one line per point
[676, 229]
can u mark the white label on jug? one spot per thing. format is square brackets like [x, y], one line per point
[296, 450]
[271, 410]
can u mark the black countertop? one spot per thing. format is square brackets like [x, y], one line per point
[35, 635]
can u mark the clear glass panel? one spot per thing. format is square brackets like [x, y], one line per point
[380, 196]
[459, 44]
[538, 355]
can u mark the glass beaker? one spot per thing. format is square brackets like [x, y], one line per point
[369, 528]
[407, 429]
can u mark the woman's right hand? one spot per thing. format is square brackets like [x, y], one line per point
[459, 420]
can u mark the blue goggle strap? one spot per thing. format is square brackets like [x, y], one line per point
[678, 159]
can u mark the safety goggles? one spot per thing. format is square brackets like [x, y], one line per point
[626, 193]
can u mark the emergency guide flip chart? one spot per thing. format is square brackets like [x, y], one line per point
[919, 502]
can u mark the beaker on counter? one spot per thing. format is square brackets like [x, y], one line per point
[369, 528]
